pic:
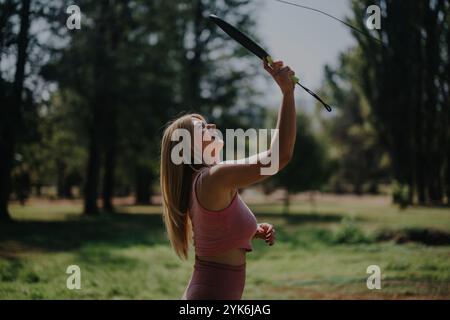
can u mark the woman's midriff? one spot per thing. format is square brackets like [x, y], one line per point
[234, 257]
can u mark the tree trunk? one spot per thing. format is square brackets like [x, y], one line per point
[98, 103]
[38, 189]
[287, 203]
[92, 175]
[13, 113]
[144, 180]
[312, 201]
[421, 174]
[111, 126]
[433, 135]
[108, 177]
[447, 115]
[358, 188]
[447, 177]
[194, 64]
[63, 186]
[5, 176]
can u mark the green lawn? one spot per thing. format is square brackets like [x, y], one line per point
[319, 255]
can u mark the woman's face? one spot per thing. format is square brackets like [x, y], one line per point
[211, 139]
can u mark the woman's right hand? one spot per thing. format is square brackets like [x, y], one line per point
[266, 232]
[281, 75]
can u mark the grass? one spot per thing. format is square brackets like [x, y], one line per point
[321, 253]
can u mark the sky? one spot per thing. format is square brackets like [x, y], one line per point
[303, 39]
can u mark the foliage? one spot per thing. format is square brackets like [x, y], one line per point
[349, 233]
[310, 166]
[405, 82]
[400, 194]
[361, 161]
[105, 92]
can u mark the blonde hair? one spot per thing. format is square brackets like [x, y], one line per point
[176, 181]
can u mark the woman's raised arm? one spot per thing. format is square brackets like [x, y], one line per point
[230, 175]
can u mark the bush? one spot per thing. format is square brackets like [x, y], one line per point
[10, 271]
[32, 277]
[349, 233]
[427, 236]
[400, 194]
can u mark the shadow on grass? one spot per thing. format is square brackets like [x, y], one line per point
[111, 229]
[121, 230]
[427, 236]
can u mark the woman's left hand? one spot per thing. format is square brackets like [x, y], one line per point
[266, 232]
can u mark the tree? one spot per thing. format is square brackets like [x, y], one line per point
[214, 71]
[11, 112]
[361, 161]
[136, 65]
[405, 82]
[89, 68]
[309, 169]
[195, 64]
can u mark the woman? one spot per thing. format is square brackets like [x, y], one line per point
[203, 198]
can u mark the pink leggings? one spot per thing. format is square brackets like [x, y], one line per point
[215, 281]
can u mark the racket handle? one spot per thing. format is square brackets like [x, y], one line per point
[270, 62]
[297, 81]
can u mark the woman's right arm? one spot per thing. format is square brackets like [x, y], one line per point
[228, 176]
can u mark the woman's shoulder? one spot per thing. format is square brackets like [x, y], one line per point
[209, 193]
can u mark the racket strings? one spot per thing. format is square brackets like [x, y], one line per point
[332, 17]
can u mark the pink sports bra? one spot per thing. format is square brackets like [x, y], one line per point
[216, 232]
